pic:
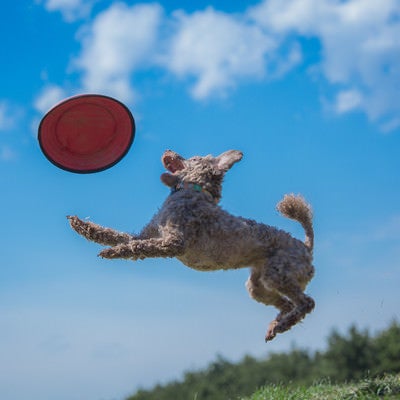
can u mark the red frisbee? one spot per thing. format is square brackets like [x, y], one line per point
[87, 133]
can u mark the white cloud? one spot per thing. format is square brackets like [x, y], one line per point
[48, 98]
[217, 49]
[71, 10]
[348, 100]
[120, 40]
[283, 61]
[391, 125]
[360, 47]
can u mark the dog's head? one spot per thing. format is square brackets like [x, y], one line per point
[205, 172]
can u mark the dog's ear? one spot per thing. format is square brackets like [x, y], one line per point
[227, 159]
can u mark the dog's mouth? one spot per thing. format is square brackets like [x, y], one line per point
[174, 163]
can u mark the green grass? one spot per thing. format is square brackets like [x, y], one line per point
[367, 389]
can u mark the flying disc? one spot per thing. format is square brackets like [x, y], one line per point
[87, 133]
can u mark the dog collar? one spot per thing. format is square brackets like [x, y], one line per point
[193, 186]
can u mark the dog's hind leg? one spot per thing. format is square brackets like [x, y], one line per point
[303, 305]
[268, 296]
[97, 233]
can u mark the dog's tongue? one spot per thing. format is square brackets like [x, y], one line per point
[169, 179]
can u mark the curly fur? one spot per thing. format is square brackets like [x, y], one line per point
[192, 227]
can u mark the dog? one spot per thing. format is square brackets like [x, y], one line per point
[192, 227]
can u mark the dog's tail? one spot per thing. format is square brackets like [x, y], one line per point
[295, 207]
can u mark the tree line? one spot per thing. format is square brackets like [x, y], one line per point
[348, 357]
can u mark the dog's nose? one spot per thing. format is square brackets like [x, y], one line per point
[170, 153]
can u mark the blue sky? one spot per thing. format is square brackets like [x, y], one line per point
[309, 90]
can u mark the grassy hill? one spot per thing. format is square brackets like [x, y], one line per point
[348, 358]
[387, 387]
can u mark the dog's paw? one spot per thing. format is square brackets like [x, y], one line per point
[83, 228]
[109, 253]
[76, 223]
[271, 333]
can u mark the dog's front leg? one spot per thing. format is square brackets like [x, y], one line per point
[146, 248]
[97, 233]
